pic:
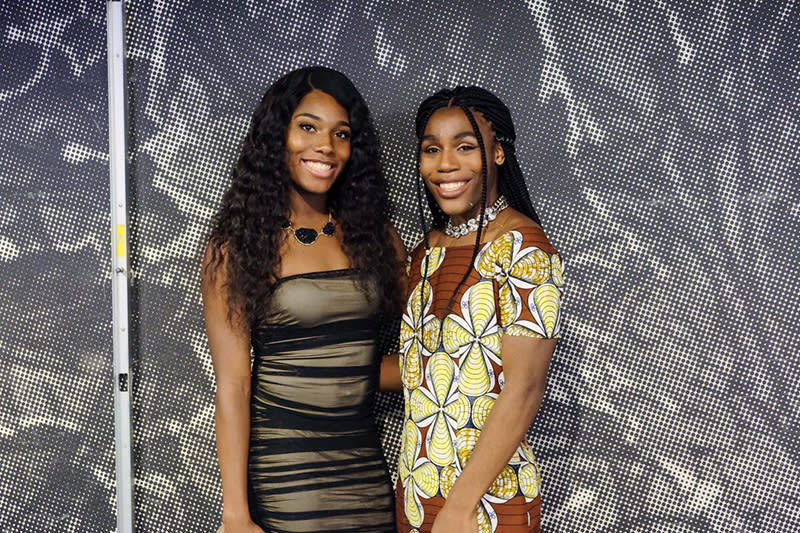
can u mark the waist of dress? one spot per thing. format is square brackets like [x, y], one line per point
[276, 417]
[285, 432]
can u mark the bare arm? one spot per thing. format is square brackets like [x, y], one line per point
[230, 355]
[525, 364]
[390, 373]
[390, 364]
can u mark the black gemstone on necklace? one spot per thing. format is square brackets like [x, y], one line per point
[329, 229]
[306, 235]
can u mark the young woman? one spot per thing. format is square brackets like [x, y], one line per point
[301, 265]
[479, 329]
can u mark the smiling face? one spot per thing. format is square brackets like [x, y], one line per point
[317, 143]
[450, 162]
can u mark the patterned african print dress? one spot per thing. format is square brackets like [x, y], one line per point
[450, 385]
[316, 462]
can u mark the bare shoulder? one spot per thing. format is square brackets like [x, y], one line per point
[532, 233]
[214, 270]
[519, 221]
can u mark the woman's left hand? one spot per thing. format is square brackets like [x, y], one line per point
[450, 520]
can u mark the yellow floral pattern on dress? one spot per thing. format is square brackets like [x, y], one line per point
[530, 480]
[419, 476]
[544, 303]
[419, 332]
[434, 259]
[440, 406]
[523, 454]
[450, 389]
[515, 268]
[475, 338]
[546, 299]
[502, 489]
[557, 270]
[505, 486]
[487, 518]
[481, 407]
[447, 478]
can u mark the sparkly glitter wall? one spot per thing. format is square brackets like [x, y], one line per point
[56, 403]
[660, 141]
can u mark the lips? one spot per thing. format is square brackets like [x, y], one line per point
[320, 169]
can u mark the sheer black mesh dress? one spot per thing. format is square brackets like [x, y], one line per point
[316, 462]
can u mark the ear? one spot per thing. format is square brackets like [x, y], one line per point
[499, 154]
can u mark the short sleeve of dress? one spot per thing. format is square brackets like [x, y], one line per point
[529, 275]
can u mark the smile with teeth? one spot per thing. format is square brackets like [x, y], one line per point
[451, 185]
[318, 166]
[320, 169]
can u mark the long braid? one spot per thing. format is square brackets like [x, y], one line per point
[479, 233]
[420, 187]
[512, 184]
[421, 211]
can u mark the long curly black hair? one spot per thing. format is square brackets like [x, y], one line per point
[247, 232]
[510, 181]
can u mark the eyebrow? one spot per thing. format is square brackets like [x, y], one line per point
[456, 136]
[315, 117]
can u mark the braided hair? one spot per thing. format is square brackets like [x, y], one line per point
[510, 183]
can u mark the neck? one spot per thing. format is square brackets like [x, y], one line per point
[307, 206]
[475, 211]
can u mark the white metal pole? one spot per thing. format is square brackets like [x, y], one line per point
[117, 152]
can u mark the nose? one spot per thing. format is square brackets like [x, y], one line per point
[325, 145]
[447, 161]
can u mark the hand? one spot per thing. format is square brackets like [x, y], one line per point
[245, 525]
[450, 520]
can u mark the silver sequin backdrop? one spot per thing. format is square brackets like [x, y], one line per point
[660, 142]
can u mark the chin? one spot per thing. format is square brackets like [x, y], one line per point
[454, 207]
[314, 188]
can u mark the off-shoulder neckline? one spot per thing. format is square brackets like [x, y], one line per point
[537, 229]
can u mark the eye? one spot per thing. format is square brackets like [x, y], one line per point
[305, 126]
[344, 134]
[430, 150]
[466, 147]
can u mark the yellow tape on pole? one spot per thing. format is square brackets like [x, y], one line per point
[120, 240]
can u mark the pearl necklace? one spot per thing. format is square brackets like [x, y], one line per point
[472, 224]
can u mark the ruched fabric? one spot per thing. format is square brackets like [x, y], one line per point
[316, 462]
